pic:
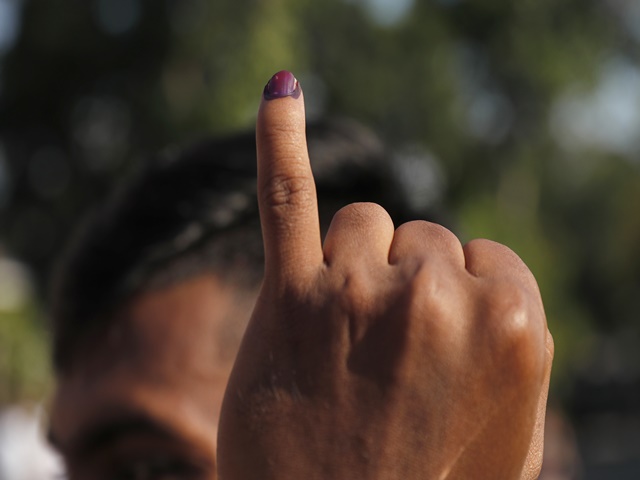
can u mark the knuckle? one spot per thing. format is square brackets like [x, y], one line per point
[282, 191]
[484, 244]
[446, 236]
[510, 313]
[507, 306]
[550, 345]
[361, 213]
[514, 326]
[351, 291]
[432, 229]
[437, 238]
[425, 282]
[426, 313]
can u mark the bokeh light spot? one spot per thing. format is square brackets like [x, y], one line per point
[421, 177]
[386, 13]
[101, 128]
[607, 118]
[186, 15]
[15, 285]
[116, 17]
[9, 23]
[49, 172]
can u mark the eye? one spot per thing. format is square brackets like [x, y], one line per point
[156, 469]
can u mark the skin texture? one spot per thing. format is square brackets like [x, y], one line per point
[144, 402]
[382, 353]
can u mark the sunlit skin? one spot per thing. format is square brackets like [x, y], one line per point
[148, 395]
[380, 353]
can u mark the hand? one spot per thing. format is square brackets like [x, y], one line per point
[390, 354]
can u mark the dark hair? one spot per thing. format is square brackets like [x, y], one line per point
[194, 211]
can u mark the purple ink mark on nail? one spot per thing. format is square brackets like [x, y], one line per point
[282, 84]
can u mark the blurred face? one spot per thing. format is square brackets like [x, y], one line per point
[143, 400]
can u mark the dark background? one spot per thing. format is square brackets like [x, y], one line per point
[520, 119]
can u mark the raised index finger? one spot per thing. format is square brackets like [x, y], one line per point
[286, 189]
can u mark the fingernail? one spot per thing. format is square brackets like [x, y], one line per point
[282, 84]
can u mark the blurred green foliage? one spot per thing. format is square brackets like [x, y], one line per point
[24, 357]
[24, 350]
[90, 87]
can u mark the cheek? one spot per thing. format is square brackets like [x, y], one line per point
[208, 391]
[219, 389]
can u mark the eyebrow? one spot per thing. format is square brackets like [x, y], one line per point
[110, 429]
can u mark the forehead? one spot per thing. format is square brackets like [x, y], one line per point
[167, 356]
[181, 324]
